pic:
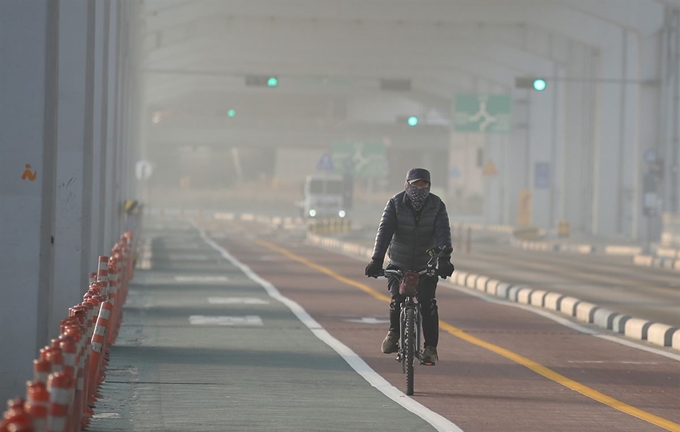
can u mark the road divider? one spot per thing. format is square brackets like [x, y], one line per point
[657, 261]
[63, 393]
[634, 328]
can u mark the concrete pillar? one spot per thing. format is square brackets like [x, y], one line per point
[74, 166]
[29, 37]
[110, 112]
[99, 119]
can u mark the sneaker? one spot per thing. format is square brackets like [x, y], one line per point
[430, 356]
[391, 343]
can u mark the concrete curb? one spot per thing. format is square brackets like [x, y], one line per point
[547, 246]
[634, 328]
[661, 262]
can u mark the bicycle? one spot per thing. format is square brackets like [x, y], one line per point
[409, 317]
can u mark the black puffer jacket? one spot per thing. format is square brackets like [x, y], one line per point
[409, 234]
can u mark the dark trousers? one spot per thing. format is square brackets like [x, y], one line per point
[427, 285]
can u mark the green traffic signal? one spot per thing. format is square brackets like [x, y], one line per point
[272, 82]
[412, 121]
[539, 84]
[231, 113]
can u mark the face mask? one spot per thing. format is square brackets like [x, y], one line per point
[417, 196]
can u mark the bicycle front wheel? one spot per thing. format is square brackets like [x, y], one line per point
[410, 348]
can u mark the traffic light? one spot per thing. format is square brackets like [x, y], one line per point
[534, 83]
[539, 84]
[231, 113]
[262, 81]
[412, 121]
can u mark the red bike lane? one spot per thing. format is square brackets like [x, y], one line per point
[478, 389]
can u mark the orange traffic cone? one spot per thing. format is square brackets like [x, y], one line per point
[38, 404]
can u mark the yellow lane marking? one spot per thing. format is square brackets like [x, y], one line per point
[530, 364]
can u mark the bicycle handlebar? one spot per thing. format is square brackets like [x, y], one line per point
[430, 270]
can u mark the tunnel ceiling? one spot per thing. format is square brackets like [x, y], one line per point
[198, 52]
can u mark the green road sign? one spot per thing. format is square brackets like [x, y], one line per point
[362, 159]
[482, 113]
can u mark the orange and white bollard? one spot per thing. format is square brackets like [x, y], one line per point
[103, 274]
[38, 404]
[59, 386]
[16, 419]
[112, 271]
[83, 312]
[54, 356]
[41, 370]
[69, 348]
[98, 346]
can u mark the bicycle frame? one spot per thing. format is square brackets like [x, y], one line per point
[409, 303]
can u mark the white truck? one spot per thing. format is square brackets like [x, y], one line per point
[323, 196]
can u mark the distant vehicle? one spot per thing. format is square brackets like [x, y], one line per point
[323, 196]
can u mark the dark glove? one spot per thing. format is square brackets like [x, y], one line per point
[445, 268]
[374, 268]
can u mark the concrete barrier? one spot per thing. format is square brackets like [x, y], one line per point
[460, 277]
[481, 283]
[512, 292]
[502, 289]
[585, 311]
[622, 250]
[604, 318]
[538, 297]
[524, 295]
[636, 328]
[660, 334]
[619, 323]
[491, 286]
[552, 301]
[568, 305]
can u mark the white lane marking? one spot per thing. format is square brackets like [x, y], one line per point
[368, 320]
[106, 415]
[357, 363]
[189, 278]
[632, 344]
[188, 257]
[236, 300]
[249, 320]
[544, 313]
[612, 361]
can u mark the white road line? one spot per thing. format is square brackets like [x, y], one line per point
[236, 300]
[199, 278]
[357, 363]
[612, 361]
[249, 320]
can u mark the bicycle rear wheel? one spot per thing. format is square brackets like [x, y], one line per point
[410, 348]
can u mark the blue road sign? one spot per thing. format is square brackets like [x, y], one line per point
[542, 175]
[325, 162]
[650, 155]
[454, 172]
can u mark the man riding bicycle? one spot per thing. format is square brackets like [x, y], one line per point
[413, 221]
